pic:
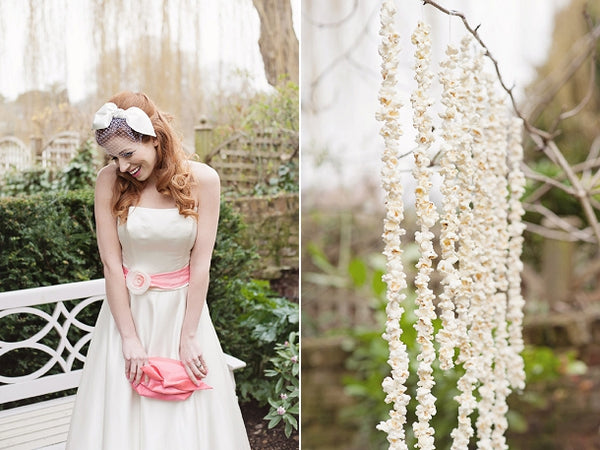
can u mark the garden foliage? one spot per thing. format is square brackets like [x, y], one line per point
[367, 361]
[284, 399]
[80, 173]
[250, 324]
[262, 118]
[47, 239]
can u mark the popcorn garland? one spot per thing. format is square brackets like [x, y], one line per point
[461, 96]
[499, 124]
[480, 302]
[451, 202]
[490, 209]
[514, 315]
[426, 218]
[388, 114]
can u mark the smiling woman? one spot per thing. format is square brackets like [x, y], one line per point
[140, 140]
[121, 133]
[156, 219]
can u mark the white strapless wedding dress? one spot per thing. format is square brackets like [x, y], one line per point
[108, 413]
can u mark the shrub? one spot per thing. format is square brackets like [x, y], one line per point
[27, 182]
[47, 239]
[250, 323]
[50, 239]
[80, 173]
[284, 400]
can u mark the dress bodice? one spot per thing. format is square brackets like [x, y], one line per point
[156, 240]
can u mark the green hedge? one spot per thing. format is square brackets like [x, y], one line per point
[49, 238]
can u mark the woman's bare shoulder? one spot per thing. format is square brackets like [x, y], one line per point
[105, 181]
[204, 174]
[106, 175]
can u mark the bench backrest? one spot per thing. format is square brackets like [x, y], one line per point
[61, 320]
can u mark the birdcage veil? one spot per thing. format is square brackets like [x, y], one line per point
[115, 137]
[115, 127]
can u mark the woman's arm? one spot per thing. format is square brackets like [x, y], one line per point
[117, 294]
[207, 192]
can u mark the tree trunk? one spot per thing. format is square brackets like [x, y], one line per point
[278, 42]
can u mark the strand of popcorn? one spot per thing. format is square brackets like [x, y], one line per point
[467, 93]
[426, 219]
[395, 278]
[498, 126]
[482, 310]
[450, 191]
[514, 315]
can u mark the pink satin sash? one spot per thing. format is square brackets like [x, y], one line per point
[166, 280]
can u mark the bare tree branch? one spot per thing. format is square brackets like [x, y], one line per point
[541, 135]
[344, 56]
[544, 140]
[533, 175]
[560, 235]
[580, 193]
[547, 89]
[335, 24]
[587, 165]
[539, 192]
[552, 219]
[594, 149]
[588, 94]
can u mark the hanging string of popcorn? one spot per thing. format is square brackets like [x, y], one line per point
[498, 124]
[388, 114]
[458, 169]
[427, 217]
[479, 303]
[514, 314]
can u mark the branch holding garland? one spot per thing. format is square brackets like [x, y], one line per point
[545, 140]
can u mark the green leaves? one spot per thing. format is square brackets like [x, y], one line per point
[47, 239]
[249, 322]
[269, 315]
[357, 269]
[284, 397]
[80, 173]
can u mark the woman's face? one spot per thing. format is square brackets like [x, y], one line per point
[136, 158]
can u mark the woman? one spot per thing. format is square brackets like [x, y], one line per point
[156, 221]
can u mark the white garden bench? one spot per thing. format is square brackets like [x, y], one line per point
[45, 424]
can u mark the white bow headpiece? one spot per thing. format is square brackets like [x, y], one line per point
[135, 117]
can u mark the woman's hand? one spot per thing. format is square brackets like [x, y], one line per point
[191, 357]
[135, 357]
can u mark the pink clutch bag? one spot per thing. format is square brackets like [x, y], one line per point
[166, 380]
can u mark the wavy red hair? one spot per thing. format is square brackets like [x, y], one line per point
[173, 174]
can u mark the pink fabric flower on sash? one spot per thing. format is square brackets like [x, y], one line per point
[137, 281]
[166, 380]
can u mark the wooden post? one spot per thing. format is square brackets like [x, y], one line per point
[557, 266]
[36, 149]
[202, 135]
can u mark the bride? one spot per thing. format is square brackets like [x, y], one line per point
[155, 375]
